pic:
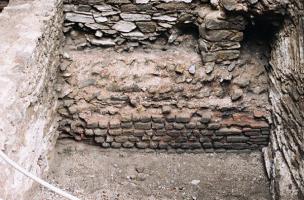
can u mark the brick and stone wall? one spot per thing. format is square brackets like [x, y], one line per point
[29, 57]
[215, 98]
[164, 100]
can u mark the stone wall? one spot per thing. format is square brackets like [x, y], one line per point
[177, 101]
[125, 24]
[29, 55]
[169, 99]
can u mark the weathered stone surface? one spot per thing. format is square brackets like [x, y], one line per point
[228, 131]
[222, 35]
[134, 34]
[75, 17]
[166, 18]
[124, 26]
[135, 17]
[102, 42]
[220, 56]
[99, 19]
[214, 21]
[146, 27]
[236, 94]
[206, 46]
[237, 139]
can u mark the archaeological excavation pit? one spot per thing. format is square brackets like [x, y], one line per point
[153, 99]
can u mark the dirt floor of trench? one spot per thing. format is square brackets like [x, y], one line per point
[93, 173]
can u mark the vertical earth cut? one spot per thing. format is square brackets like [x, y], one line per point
[29, 56]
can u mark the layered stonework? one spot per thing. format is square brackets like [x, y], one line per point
[165, 100]
[125, 25]
[29, 59]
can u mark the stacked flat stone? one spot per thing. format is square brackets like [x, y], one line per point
[114, 22]
[220, 36]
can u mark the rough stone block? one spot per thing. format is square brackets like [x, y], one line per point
[173, 133]
[183, 118]
[126, 125]
[142, 126]
[139, 133]
[99, 140]
[133, 138]
[228, 131]
[153, 145]
[115, 132]
[205, 139]
[128, 131]
[115, 145]
[106, 145]
[100, 132]
[88, 132]
[142, 145]
[121, 139]
[169, 126]
[237, 139]
[160, 132]
[190, 125]
[207, 132]
[201, 126]
[163, 145]
[181, 139]
[109, 139]
[158, 118]
[214, 126]
[170, 118]
[178, 126]
[207, 145]
[128, 144]
[158, 126]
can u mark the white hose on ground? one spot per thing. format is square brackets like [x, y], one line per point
[35, 178]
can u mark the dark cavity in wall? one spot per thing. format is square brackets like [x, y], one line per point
[260, 34]
[3, 3]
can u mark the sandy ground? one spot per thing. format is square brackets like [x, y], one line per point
[93, 173]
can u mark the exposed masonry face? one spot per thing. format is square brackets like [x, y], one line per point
[218, 105]
[130, 24]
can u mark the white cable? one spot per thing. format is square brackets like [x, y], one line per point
[35, 178]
